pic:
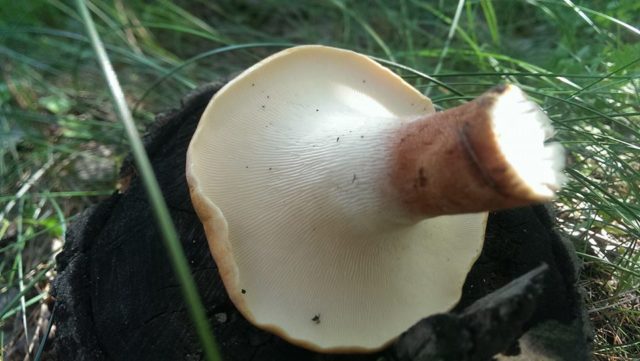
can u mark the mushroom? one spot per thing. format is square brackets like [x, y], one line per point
[340, 208]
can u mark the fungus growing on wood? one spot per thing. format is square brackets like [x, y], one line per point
[340, 208]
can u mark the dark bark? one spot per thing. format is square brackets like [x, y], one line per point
[118, 299]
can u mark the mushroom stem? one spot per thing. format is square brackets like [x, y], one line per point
[485, 155]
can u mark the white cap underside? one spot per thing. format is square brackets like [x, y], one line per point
[293, 154]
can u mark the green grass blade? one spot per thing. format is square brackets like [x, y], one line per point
[609, 264]
[469, 38]
[161, 213]
[492, 20]
[582, 15]
[367, 28]
[20, 268]
[419, 74]
[18, 308]
[606, 76]
[627, 26]
[45, 336]
[13, 302]
[198, 57]
[447, 43]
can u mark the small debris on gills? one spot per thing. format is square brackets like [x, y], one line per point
[316, 319]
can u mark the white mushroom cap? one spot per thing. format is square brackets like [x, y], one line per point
[289, 172]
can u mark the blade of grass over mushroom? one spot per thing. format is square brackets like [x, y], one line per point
[161, 213]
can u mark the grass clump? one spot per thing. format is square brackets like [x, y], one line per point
[61, 142]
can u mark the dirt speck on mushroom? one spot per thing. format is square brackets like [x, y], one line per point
[422, 179]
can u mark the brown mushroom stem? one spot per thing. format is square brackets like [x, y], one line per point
[452, 162]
